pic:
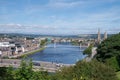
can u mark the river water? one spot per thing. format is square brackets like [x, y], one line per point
[61, 53]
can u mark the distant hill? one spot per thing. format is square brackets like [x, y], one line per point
[40, 35]
[94, 36]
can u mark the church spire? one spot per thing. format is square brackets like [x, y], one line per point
[105, 35]
[99, 36]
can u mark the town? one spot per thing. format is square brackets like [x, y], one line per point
[18, 46]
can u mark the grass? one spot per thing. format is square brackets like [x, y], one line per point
[28, 53]
[118, 75]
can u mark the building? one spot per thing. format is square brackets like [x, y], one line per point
[5, 48]
[99, 37]
[105, 35]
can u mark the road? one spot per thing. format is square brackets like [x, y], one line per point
[37, 65]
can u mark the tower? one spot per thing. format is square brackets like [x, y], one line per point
[99, 37]
[105, 35]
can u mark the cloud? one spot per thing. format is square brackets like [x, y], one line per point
[20, 26]
[76, 3]
[62, 16]
[63, 3]
[91, 22]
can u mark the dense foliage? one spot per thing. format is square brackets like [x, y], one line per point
[6, 73]
[109, 51]
[93, 70]
[88, 50]
[43, 42]
[24, 72]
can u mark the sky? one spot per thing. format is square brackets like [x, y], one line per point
[59, 17]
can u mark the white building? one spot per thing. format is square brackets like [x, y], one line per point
[6, 44]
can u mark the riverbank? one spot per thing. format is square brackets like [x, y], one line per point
[26, 54]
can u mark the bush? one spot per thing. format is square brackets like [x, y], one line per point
[24, 72]
[88, 50]
[93, 70]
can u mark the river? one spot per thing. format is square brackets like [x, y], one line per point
[65, 53]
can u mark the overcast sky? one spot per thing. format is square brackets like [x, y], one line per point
[59, 16]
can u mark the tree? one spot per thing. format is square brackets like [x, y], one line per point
[43, 42]
[6, 73]
[88, 50]
[93, 70]
[25, 72]
[65, 73]
[109, 51]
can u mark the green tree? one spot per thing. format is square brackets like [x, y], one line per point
[43, 42]
[93, 70]
[65, 73]
[6, 73]
[88, 50]
[109, 51]
[25, 72]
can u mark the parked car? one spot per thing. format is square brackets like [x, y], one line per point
[36, 64]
